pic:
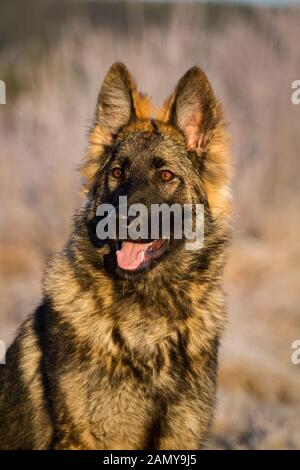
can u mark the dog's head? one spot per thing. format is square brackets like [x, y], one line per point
[176, 157]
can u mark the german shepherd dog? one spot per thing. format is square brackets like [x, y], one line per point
[122, 352]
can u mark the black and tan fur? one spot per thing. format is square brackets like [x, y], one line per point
[112, 361]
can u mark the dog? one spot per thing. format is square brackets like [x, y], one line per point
[122, 353]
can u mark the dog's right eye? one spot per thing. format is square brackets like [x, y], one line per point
[116, 172]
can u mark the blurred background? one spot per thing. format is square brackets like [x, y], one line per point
[53, 57]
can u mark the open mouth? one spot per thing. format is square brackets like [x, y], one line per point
[133, 256]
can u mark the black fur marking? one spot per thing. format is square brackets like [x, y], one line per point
[157, 426]
[140, 370]
[40, 326]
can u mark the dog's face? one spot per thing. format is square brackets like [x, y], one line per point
[150, 161]
[151, 168]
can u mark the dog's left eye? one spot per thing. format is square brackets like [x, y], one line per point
[166, 175]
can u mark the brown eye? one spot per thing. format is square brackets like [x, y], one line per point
[166, 175]
[116, 172]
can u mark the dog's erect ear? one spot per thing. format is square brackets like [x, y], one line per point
[119, 104]
[115, 106]
[193, 108]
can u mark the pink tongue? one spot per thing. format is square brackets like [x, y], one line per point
[132, 255]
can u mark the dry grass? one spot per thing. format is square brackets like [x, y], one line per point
[42, 133]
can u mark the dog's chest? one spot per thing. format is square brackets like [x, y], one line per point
[148, 367]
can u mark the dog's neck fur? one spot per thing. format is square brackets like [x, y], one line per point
[143, 314]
